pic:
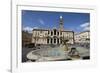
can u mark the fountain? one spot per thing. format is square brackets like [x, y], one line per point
[61, 52]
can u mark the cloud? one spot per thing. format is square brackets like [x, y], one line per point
[29, 29]
[35, 27]
[85, 26]
[41, 22]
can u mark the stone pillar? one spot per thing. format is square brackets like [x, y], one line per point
[49, 33]
[49, 41]
[56, 41]
[53, 32]
[59, 41]
[52, 40]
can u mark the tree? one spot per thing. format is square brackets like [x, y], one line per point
[26, 38]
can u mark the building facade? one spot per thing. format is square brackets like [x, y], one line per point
[83, 37]
[53, 36]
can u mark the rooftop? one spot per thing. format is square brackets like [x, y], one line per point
[52, 29]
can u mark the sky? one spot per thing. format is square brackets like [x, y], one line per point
[76, 22]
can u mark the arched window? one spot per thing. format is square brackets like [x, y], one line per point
[54, 40]
[54, 31]
[51, 33]
[51, 40]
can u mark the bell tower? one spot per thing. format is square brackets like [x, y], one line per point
[61, 26]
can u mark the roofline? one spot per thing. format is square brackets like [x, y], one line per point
[82, 32]
[50, 30]
[67, 31]
[41, 29]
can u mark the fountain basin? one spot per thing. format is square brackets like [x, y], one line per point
[55, 54]
[49, 54]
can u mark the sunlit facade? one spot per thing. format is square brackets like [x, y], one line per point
[83, 37]
[52, 36]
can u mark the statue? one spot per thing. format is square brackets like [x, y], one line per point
[64, 45]
[74, 53]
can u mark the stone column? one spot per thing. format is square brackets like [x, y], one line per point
[52, 40]
[59, 41]
[49, 41]
[49, 33]
[56, 41]
[53, 32]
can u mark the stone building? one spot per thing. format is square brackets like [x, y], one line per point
[83, 37]
[52, 36]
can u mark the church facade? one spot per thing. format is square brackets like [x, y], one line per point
[52, 36]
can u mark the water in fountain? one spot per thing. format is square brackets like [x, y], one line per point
[60, 52]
